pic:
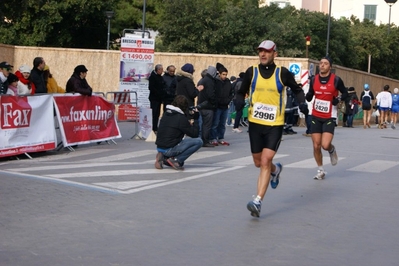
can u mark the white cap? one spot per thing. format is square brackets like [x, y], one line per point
[268, 45]
[24, 69]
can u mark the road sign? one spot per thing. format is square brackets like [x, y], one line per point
[295, 68]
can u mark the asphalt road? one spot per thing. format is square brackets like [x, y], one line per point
[107, 205]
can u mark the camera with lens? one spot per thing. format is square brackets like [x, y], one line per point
[193, 108]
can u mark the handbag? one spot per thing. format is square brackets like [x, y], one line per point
[342, 107]
[375, 113]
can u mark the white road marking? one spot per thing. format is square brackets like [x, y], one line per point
[123, 156]
[310, 163]
[128, 184]
[375, 166]
[132, 172]
[68, 156]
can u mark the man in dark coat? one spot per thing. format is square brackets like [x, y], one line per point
[185, 83]
[78, 83]
[157, 86]
[170, 84]
[37, 75]
[207, 101]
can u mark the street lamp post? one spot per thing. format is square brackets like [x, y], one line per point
[390, 3]
[109, 15]
[328, 28]
[143, 29]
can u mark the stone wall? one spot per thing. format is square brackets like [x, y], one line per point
[103, 65]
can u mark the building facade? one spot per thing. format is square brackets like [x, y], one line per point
[375, 10]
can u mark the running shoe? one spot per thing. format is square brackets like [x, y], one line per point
[275, 178]
[333, 156]
[159, 160]
[320, 175]
[393, 126]
[237, 130]
[254, 207]
[224, 143]
[175, 164]
[214, 143]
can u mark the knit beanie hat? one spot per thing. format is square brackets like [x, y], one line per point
[189, 68]
[12, 78]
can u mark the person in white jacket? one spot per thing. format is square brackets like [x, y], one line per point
[384, 103]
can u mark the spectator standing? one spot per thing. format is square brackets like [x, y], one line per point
[156, 85]
[207, 101]
[12, 81]
[224, 95]
[25, 86]
[173, 148]
[324, 87]
[290, 107]
[170, 86]
[353, 106]
[395, 107]
[366, 99]
[384, 103]
[77, 83]
[185, 83]
[239, 103]
[51, 83]
[36, 75]
[5, 70]
[266, 116]
[229, 122]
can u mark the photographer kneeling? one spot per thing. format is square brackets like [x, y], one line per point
[173, 148]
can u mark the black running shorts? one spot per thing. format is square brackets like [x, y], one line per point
[261, 136]
[321, 125]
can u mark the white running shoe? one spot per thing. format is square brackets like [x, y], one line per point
[320, 175]
[237, 130]
[334, 157]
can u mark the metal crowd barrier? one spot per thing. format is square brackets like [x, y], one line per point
[120, 98]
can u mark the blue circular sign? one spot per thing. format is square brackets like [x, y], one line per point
[294, 68]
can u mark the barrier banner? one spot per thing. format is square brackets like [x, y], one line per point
[27, 124]
[84, 119]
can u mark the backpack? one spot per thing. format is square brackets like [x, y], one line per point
[366, 100]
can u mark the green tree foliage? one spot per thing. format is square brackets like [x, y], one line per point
[202, 26]
[57, 23]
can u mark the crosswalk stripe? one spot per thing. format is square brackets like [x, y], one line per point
[131, 172]
[128, 184]
[123, 156]
[69, 155]
[68, 166]
[310, 163]
[247, 160]
[375, 166]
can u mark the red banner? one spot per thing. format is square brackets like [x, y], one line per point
[84, 119]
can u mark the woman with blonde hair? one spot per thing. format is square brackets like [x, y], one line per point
[51, 83]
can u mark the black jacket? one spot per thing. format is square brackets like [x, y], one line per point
[157, 87]
[186, 86]
[3, 87]
[36, 76]
[224, 93]
[173, 126]
[207, 97]
[170, 86]
[78, 85]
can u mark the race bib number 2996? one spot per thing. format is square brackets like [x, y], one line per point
[264, 112]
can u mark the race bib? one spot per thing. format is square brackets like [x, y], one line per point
[264, 112]
[322, 106]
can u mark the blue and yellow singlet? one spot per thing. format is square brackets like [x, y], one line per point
[267, 99]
